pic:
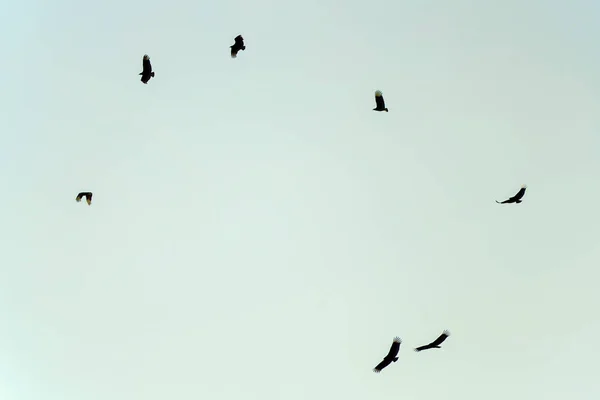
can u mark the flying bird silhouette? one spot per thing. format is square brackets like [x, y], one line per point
[379, 102]
[516, 198]
[237, 46]
[391, 356]
[436, 343]
[87, 195]
[147, 72]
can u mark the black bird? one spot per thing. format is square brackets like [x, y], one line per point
[87, 195]
[516, 198]
[380, 102]
[436, 343]
[147, 72]
[237, 46]
[391, 356]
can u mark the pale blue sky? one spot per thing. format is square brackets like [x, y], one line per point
[257, 232]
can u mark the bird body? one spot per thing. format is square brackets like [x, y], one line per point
[436, 343]
[237, 46]
[391, 356]
[147, 72]
[87, 195]
[516, 198]
[380, 102]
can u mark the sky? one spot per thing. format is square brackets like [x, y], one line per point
[258, 232]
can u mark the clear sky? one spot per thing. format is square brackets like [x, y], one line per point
[258, 232]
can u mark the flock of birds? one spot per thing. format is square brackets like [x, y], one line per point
[238, 45]
[392, 356]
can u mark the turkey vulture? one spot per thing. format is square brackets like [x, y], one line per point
[516, 198]
[147, 72]
[237, 46]
[380, 102]
[436, 343]
[87, 195]
[391, 356]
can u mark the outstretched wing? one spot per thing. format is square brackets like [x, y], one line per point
[379, 100]
[423, 348]
[79, 196]
[88, 198]
[382, 365]
[239, 41]
[440, 339]
[520, 194]
[147, 67]
[394, 349]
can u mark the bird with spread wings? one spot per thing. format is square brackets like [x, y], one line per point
[391, 356]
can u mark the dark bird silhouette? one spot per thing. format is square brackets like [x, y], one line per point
[237, 46]
[380, 102]
[87, 195]
[147, 72]
[391, 356]
[516, 198]
[436, 343]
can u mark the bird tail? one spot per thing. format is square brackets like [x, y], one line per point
[152, 74]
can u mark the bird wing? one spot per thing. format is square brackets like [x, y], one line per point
[379, 100]
[520, 194]
[440, 339]
[239, 40]
[234, 51]
[382, 365]
[394, 348]
[147, 67]
[79, 196]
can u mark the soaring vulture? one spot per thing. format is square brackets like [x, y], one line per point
[436, 343]
[391, 356]
[237, 46]
[147, 72]
[516, 198]
[87, 195]
[380, 102]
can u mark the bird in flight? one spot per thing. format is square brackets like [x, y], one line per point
[379, 102]
[436, 343]
[237, 46]
[87, 195]
[147, 72]
[516, 198]
[391, 356]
